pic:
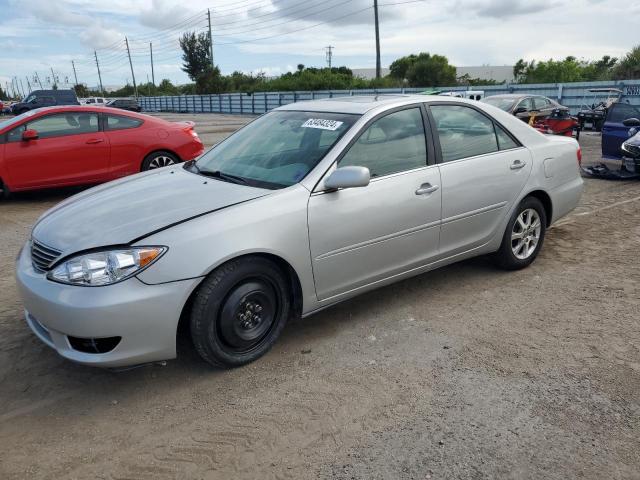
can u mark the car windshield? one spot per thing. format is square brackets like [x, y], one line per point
[277, 150]
[500, 102]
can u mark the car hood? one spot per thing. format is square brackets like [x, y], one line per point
[129, 209]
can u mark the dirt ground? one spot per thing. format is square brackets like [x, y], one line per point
[467, 372]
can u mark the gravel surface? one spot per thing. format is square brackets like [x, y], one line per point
[465, 372]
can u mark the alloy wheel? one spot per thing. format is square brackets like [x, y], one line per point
[161, 161]
[525, 234]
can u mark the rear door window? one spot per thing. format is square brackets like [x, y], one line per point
[463, 132]
[541, 103]
[120, 122]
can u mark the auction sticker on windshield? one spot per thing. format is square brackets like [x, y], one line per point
[322, 124]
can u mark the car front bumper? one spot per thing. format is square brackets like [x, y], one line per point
[145, 317]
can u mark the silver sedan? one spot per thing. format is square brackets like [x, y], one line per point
[308, 205]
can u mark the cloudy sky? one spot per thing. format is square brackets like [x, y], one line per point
[273, 36]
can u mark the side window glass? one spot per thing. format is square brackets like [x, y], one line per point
[15, 135]
[117, 122]
[540, 103]
[619, 112]
[73, 123]
[505, 142]
[463, 132]
[525, 103]
[391, 144]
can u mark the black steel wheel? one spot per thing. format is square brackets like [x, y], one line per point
[239, 311]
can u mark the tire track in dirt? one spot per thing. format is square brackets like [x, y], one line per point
[272, 440]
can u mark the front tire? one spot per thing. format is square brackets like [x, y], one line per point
[239, 312]
[524, 235]
[158, 160]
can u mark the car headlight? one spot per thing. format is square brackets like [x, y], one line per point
[105, 267]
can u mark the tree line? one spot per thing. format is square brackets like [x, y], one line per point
[415, 70]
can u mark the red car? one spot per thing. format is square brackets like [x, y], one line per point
[77, 145]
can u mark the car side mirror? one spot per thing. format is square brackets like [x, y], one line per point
[631, 122]
[519, 110]
[348, 177]
[29, 134]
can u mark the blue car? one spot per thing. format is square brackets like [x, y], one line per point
[614, 130]
[620, 143]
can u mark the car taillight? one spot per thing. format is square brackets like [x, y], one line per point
[579, 155]
[192, 132]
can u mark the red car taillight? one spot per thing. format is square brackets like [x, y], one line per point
[192, 132]
[579, 155]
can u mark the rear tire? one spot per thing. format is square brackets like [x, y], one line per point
[524, 235]
[5, 193]
[158, 160]
[239, 312]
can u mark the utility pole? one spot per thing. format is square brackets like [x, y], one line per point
[210, 38]
[38, 80]
[75, 75]
[20, 92]
[135, 88]
[53, 78]
[329, 55]
[153, 77]
[378, 68]
[99, 76]
[28, 84]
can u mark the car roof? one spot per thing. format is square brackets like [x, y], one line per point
[356, 104]
[83, 108]
[513, 95]
[361, 104]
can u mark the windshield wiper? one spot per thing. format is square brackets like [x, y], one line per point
[225, 177]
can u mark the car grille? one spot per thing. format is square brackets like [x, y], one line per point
[42, 256]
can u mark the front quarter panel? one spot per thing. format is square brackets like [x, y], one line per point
[274, 224]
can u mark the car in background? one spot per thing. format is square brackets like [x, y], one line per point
[95, 101]
[77, 145]
[617, 128]
[593, 110]
[6, 107]
[130, 104]
[525, 106]
[45, 98]
[307, 206]
[469, 94]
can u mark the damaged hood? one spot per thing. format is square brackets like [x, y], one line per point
[131, 208]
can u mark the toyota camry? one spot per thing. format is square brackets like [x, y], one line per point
[306, 206]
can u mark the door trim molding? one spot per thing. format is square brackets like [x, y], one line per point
[472, 213]
[384, 238]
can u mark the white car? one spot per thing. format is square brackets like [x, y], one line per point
[95, 101]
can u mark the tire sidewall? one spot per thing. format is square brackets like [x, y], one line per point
[210, 300]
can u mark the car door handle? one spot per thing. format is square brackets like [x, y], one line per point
[426, 189]
[517, 165]
[91, 141]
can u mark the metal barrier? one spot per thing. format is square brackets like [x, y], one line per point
[572, 95]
